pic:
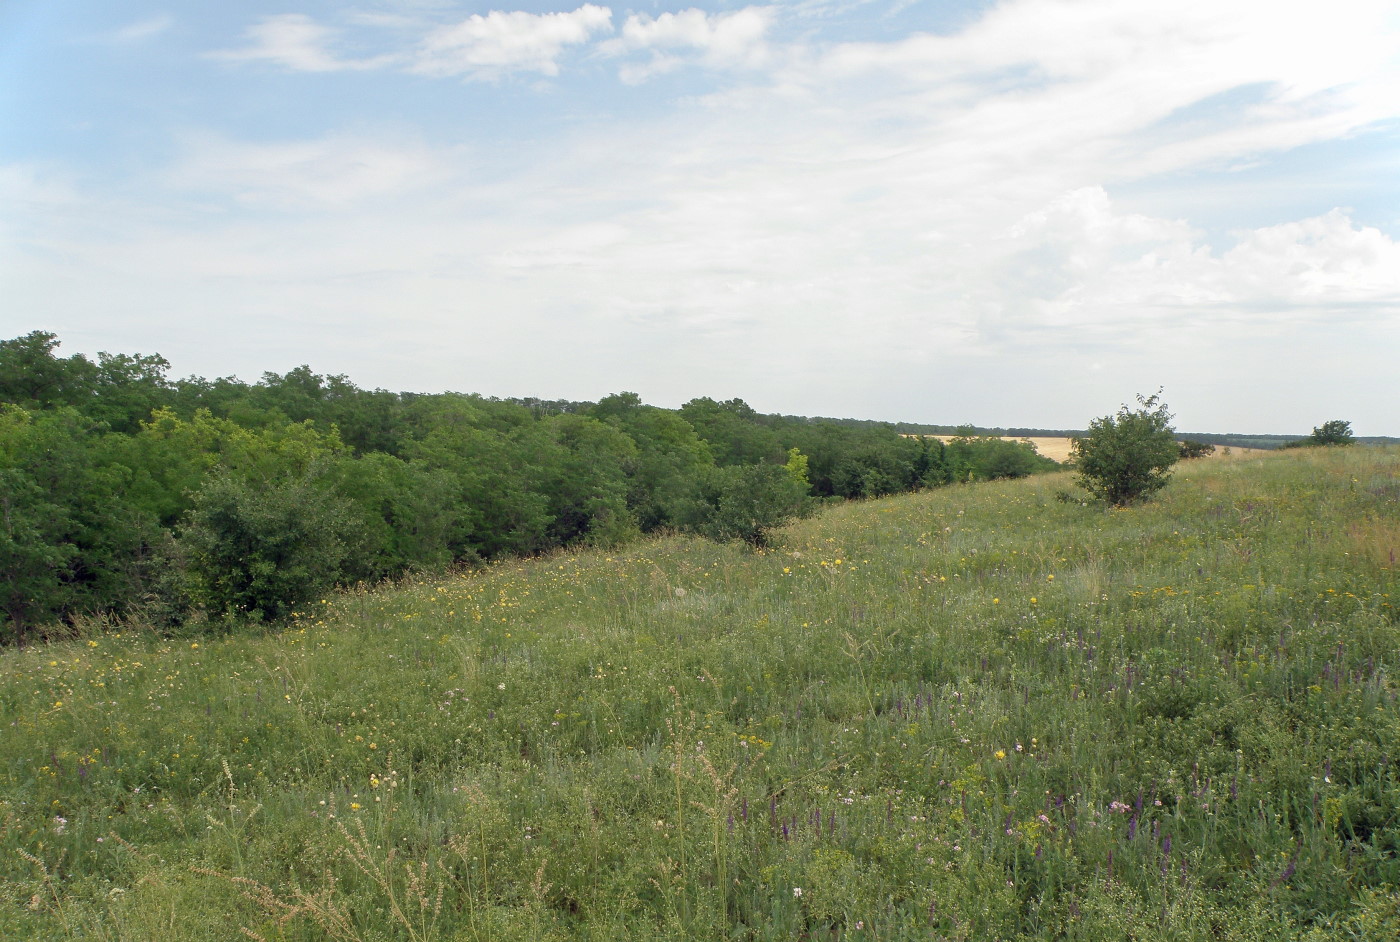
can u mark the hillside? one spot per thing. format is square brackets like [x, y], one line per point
[973, 712]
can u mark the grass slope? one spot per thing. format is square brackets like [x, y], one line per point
[974, 713]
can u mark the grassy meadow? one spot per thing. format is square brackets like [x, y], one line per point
[977, 712]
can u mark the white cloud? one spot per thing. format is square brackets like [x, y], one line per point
[502, 42]
[1324, 261]
[1079, 264]
[143, 29]
[488, 46]
[883, 229]
[297, 42]
[721, 40]
[328, 173]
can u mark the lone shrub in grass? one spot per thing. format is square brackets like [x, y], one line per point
[1335, 432]
[1127, 456]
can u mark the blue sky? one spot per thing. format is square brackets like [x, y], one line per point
[1014, 213]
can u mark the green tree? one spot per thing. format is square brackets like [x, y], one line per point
[1127, 456]
[735, 432]
[578, 465]
[74, 537]
[503, 513]
[36, 525]
[33, 377]
[1335, 432]
[261, 551]
[745, 502]
[670, 458]
[408, 515]
[973, 457]
[1193, 449]
[119, 389]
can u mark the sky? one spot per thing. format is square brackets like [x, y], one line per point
[1017, 214]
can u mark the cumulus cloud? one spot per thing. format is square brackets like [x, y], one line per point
[1079, 263]
[1323, 261]
[721, 40]
[297, 42]
[488, 46]
[502, 42]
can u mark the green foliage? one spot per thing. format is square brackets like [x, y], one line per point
[262, 550]
[797, 467]
[746, 502]
[1190, 449]
[1128, 456]
[408, 516]
[670, 458]
[971, 457]
[863, 461]
[1334, 432]
[73, 534]
[733, 431]
[580, 466]
[119, 390]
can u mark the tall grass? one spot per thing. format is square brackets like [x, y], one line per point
[974, 713]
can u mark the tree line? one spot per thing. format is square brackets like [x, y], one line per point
[127, 494]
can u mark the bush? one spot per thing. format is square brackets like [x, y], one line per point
[261, 551]
[1193, 449]
[1335, 432]
[1127, 456]
[744, 502]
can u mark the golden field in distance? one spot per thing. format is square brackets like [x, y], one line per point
[1057, 448]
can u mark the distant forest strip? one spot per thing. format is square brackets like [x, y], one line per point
[198, 503]
[1224, 439]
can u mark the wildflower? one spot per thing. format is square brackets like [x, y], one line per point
[1000, 754]
[797, 892]
[354, 806]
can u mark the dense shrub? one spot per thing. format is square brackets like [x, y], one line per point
[261, 551]
[1127, 456]
[1190, 449]
[744, 502]
[1334, 432]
